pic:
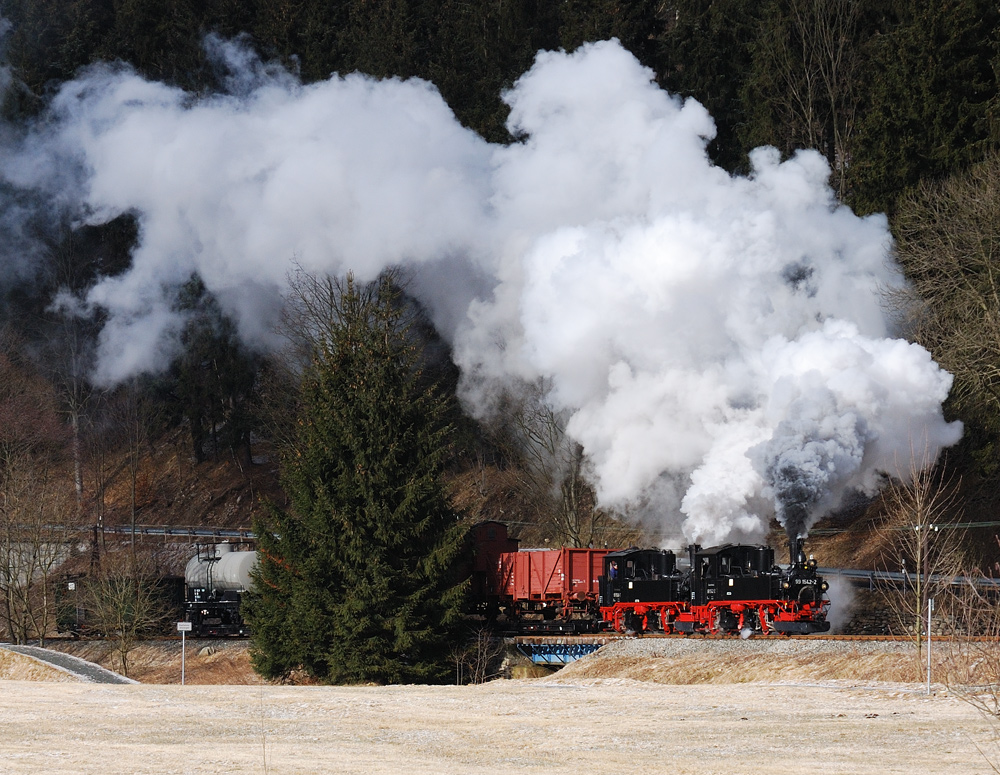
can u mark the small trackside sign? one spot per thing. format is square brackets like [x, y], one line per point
[183, 626]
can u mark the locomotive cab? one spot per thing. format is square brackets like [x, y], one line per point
[732, 572]
[640, 576]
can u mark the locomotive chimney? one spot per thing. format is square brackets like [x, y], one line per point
[796, 554]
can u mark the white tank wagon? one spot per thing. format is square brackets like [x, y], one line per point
[225, 571]
[215, 580]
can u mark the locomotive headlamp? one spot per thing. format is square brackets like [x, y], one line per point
[824, 586]
[785, 585]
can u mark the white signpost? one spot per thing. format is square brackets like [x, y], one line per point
[183, 628]
[930, 610]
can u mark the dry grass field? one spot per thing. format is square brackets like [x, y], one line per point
[689, 707]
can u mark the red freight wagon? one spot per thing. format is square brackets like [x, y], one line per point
[551, 589]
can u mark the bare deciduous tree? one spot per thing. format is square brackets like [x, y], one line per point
[552, 472]
[807, 55]
[34, 500]
[478, 659]
[125, 602]
[34, 536]
[132, 416]
[925, 540]
[971, 668]
[973, 665]
[948, 242]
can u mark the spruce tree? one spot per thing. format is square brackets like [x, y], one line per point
[932, 99]
[357, 580]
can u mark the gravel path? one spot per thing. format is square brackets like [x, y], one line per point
[85, 671]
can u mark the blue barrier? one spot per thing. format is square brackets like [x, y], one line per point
[556, 653]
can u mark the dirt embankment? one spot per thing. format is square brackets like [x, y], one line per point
[660, 660]
[15, 667]
[159, 662]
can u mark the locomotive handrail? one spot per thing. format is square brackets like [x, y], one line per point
[829, 531]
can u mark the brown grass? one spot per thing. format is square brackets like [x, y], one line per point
[227, 662]
[956, 664]
[765, 668]
[17, 667]
[159, 662]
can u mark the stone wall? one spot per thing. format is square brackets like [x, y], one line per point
[871, 614]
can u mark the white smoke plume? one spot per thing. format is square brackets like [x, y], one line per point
[842, 598]
[713, 336]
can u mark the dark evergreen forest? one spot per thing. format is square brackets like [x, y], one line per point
[891, 92]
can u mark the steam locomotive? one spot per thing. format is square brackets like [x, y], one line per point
[725, 589]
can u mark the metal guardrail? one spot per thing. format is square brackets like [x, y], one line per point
[193, 532]
[832, 531]
[180, 531]
[874, 577]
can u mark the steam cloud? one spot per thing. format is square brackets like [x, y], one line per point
[716, 342]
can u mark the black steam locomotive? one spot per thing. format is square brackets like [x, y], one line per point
[725, 589]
